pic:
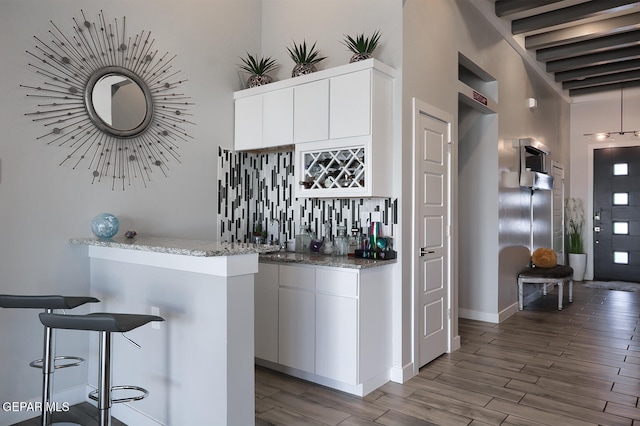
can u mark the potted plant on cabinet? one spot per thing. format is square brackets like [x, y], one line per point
[305, 59]
[362, 47]
[574, 221]
[258, 69]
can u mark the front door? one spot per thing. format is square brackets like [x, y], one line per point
[616, 215]
[432, 228]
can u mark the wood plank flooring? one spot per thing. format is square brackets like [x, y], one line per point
[578, 366]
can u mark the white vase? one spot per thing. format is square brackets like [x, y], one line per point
[578, 261]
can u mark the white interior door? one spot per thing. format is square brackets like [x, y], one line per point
[431, 255]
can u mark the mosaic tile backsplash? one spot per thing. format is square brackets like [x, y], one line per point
[258, 190]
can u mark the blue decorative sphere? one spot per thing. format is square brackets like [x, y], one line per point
[105, 225]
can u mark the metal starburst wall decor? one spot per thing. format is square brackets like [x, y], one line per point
[110, 100]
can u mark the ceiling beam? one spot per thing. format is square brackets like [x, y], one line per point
[509, 7]
[594, 59]
[602, 79]
[581, 73]
[574, 13]
[604, 88]
[615, 41]
[583, 32]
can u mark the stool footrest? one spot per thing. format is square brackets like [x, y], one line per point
[143, 394]
[38, 363]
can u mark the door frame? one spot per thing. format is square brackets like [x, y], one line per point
[588, 213]
[420, 107]
[556, 164]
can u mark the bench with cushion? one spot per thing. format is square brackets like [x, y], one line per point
[554, 275]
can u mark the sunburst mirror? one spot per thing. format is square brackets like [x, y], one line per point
[110, 101]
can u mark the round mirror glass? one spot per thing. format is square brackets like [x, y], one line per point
[119, 102]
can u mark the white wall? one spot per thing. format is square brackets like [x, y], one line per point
[326, 22]
[43, 204]
[592, 115]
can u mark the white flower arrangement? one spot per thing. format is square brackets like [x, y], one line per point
[574, 220]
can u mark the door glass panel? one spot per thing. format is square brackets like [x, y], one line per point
[621, 228]
[621, 257]
[621, 199]
[620, 169]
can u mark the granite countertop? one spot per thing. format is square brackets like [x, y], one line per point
[323, 260]
[186, 247]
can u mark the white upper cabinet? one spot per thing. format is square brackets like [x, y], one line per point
[264, 121]
[248, 123]
[311, 112]
[347, 101]
[277, 118]
[350, 105]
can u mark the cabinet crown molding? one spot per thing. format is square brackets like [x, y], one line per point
[318, 75]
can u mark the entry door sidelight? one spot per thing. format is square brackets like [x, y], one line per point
[616, 215]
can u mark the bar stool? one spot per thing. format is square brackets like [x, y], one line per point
[106, 323]
[48, 362]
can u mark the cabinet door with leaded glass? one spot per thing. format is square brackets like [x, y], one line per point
[334, 169]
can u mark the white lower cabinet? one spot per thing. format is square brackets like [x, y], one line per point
[337, 338]
[266, 312]
[296, 345]
[334, 324]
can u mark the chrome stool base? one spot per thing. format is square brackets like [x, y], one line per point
[143, 394]
[39, 363]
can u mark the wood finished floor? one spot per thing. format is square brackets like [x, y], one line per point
[578, 366]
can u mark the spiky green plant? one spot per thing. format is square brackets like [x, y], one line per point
[300, 55]
[258, 67]
[362, 44]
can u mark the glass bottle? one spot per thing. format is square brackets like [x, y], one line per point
[303, 239]
[341, 242]
[353, 240]
[327, 245]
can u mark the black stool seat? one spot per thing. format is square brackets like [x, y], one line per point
[98, 321]
[558, 271]
[44, 302]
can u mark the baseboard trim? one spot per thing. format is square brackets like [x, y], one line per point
[494, 318]
[361, 389]
[455, 344]
[478, 316]
[509, 311]
[401, 374]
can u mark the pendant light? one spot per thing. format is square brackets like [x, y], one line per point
[601, 136]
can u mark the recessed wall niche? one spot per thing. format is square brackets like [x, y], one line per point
[259, 189]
